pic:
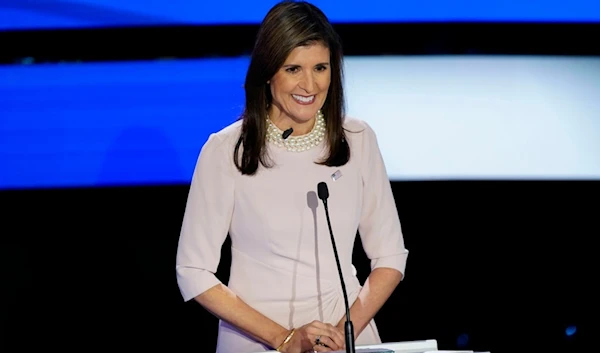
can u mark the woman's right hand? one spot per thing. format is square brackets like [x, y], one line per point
[305, 339]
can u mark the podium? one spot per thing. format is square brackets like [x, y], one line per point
[425, 346]
[393, 347]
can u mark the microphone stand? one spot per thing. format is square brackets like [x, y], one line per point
[348, 326]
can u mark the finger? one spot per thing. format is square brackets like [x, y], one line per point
[313, 328]
[317, 329]
[326, 340]
[330, 335]
[318, 348]
[339, 332]
[336, 336]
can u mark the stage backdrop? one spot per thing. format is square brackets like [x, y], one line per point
[437, 118]
[52, 14]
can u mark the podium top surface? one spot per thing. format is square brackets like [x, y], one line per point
[425, 346]
[393, 347]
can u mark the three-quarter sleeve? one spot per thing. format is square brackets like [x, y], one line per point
[206, 219]
[379, 228]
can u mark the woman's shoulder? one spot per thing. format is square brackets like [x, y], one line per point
[357, 128]
[226, 136]
[355, 124]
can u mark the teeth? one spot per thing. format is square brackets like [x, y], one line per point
[303, 99]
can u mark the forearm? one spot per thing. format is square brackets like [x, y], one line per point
[375, 292]
[227, 306]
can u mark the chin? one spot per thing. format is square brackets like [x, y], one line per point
[306, 116]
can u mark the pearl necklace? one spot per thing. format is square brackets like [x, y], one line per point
[298, 143]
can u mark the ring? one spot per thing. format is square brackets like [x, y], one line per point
[318, 340]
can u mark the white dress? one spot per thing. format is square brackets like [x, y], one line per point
[282, 261]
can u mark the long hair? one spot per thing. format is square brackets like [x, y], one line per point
[288, 25]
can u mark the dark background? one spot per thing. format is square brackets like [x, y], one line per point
[494, 265]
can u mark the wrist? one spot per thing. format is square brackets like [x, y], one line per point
[279, 338]
[283, 339]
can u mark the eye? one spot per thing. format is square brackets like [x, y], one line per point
[321, 68]
[292, 69]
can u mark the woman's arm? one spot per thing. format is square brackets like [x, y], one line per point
[204, 229]
[224, 304]
[381, 236]
[377, 289]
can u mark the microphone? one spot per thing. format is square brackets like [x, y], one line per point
[287, 133]
[323, 193]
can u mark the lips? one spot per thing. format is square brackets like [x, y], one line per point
[303, 99]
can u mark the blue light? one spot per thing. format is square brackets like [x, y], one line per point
[462, 340]
[22, 14]
[571, 330]
[124, 123]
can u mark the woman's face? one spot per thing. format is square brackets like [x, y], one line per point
[300, 86]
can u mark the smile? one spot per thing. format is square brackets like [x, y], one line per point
[303, 99]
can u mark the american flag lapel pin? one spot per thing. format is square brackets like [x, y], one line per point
[335, 176]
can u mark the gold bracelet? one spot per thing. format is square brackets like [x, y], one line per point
[287, 339]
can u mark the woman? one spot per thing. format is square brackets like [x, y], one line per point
[256, 180]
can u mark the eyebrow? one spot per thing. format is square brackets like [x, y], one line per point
[319, 64]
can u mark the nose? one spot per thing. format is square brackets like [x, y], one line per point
[307, 82]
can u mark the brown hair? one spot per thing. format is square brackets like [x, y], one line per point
[288, 25]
